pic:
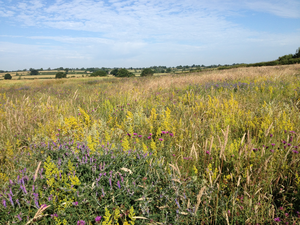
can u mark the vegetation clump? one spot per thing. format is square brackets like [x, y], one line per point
[124, 73]
[7, 76]
[147, 72]
[99, 73]
[60, 75]
[209, 148]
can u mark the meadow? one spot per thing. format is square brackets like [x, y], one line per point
[215, 147]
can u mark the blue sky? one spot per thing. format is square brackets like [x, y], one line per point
[143, 33]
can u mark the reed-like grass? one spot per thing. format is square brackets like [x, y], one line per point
[219, 147]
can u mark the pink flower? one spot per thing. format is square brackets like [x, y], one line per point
[149, 137]
[161, 139]
[277, 219]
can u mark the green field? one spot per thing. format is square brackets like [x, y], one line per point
[212, 147]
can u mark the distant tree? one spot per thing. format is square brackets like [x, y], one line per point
[297, 54]
[34, 72]
[67, 70]
[41, 69]
[114, 71]
[60, 75]
[124, 73]
[147, 72]
[168, 70]
[7, 76]
[99, 73]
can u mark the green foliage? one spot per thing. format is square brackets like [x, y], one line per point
[219, 150]
[297, 54]
[124, 73]
[147, 72]
[7, 76]
[60, 75]
[34, 72]
[99, 73]
[114, 72]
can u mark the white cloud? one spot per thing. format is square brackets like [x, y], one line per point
[145, 32]
[286, 9]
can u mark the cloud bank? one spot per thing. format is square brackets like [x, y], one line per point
[140, 33]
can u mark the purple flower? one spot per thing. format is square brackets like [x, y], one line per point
[119, 185]
[271, 135]
[286, 214]
[177, 203]
[161, 139]
[149, 137]
[163, 132]
[295, 152]
[19, 217]
[171, 134]
[81, 222]
[75, 203]
[17, 201]
[134, 133]
[4, 203]
[207, 152]
[140, 136]
[277, 219]
[36, 203]
[50, 198]
[150, 134]
[11, 200]
[273, 144]
[98, 218]
[272, 150]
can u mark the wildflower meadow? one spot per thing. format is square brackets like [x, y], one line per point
[213, 147]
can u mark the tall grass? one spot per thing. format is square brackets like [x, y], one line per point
[218, 146]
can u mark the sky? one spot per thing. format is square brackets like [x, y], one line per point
[144, 33]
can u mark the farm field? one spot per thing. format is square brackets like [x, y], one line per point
[216, 147]
[25, 75]
[43, 75]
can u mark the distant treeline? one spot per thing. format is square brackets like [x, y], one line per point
[283, 60]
